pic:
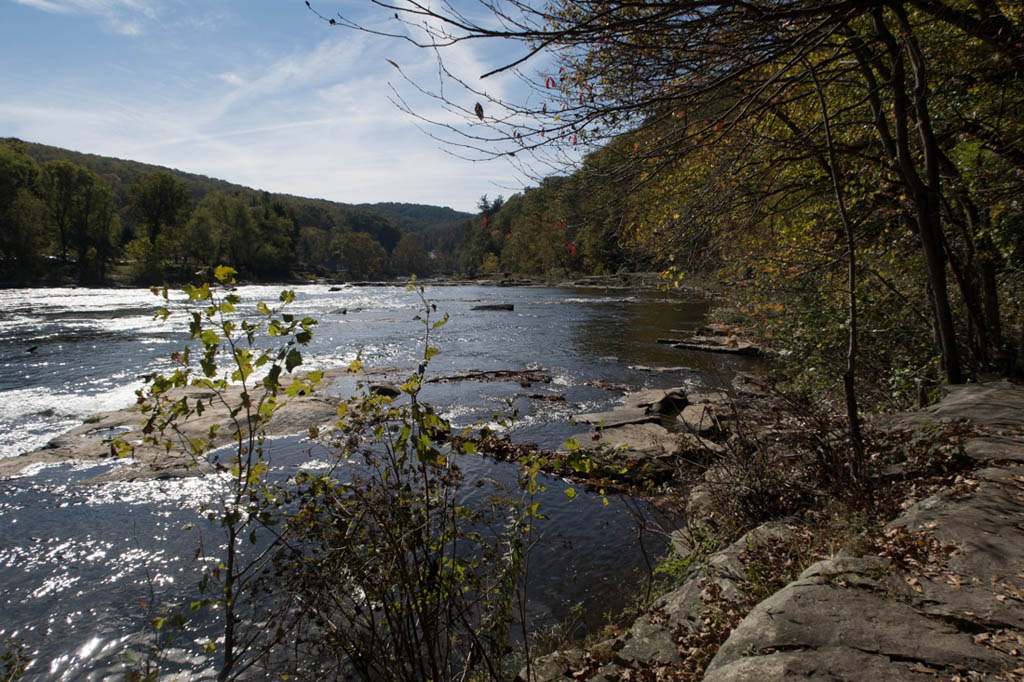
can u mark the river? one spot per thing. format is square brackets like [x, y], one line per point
[81, 564]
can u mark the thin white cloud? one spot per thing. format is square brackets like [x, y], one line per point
[314, 122]
[126, 17]
[48, 6]
[231, 79]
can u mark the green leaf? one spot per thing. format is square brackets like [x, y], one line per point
[270, 381]
[198, 293]
[570, 493]
[534, 511]
[430, 352]
[209, 337]
[469, 448]
[294, 359]
[225, 274]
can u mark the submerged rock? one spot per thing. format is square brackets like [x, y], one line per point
[385, 389]
[494, 306]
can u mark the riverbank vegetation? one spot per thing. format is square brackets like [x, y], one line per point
[856, 178]
[373, 567]
[851, 173]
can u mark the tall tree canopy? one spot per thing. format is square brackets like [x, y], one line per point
[160, 202]
[897, 124]
[21, 213]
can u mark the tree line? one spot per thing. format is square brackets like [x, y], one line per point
[90, 219]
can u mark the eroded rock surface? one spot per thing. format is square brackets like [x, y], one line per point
[954, 611]
[850, 619]
[958, 614]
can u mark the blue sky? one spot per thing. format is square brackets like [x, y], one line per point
[258, 92]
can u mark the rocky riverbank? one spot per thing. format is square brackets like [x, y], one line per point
[936, 593]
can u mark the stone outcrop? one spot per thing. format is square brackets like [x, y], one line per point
[956, 614]
[649, 431]
[948, 605]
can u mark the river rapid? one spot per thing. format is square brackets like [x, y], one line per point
[81, 566]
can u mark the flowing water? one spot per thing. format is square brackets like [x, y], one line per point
[82, 566]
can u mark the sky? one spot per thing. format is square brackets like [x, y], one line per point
[257, 92]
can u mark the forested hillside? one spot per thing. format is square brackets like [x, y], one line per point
[853, 171]
[72, 216]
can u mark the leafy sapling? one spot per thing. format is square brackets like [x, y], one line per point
[231, 376]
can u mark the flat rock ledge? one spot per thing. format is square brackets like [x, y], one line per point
[92, 441]
[717, 339]
[959, 615]
[643, 438]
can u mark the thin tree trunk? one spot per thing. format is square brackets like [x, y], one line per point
[925, 195]
[857, 465]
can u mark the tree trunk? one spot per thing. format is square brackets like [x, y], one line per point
[925, 193]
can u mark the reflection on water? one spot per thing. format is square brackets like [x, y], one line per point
[82, 566]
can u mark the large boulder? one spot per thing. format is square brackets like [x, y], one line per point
[848, 619]
[559, 665]
[654, 637]
[981, 536]
[698, 419]
[998, 405]
[638, 440]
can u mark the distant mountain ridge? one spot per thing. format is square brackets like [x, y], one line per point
[121, 173]
[416, 217]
